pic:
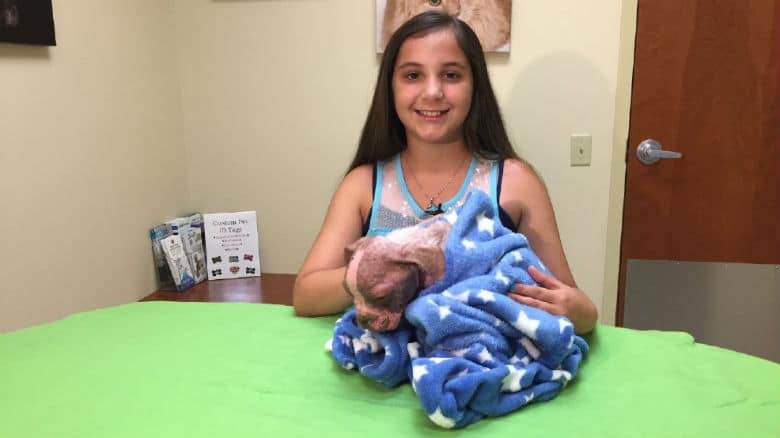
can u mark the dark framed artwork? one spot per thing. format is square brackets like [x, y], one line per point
[27, 22]
[491, 20]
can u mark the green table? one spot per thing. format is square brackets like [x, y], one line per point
[165, 369]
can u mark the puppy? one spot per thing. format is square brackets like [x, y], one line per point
[489, 19]
[384, 273]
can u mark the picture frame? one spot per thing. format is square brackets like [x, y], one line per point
[27, 22]
[491, 20]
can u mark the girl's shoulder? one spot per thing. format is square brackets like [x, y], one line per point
[519, 171]
[359, 174]
[357, 183]
[521, 183]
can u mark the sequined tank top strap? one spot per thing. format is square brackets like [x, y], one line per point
[394, 207]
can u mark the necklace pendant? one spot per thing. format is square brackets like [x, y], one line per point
[433, 209]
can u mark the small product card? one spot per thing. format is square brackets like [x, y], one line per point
[177, 262]
[232, 245]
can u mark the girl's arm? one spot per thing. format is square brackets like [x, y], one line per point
[524, 197]
[318, 288]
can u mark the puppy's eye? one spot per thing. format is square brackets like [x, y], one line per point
[434, 2]
[387, 302]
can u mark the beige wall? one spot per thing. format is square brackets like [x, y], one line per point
[274, 100]
[90, 158]
[625, 70]
[233, 105]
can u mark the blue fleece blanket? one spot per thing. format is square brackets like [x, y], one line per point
[468, 349]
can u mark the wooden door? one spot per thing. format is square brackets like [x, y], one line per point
[706, 76]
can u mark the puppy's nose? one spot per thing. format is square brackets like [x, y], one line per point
[375, 323]
[365, 321]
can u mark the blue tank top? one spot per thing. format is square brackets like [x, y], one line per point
[394, 207]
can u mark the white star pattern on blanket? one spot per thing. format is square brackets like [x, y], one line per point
[485, 356]
[451, 217]
[444, 311]
[486, 296]
[418, 371]
[530, 348]
[525, 360]
[414, 349]
[526, 325]
[468, 244]
[358, 345]
[512, 380]
[502, 278]
[484, 223]
[439, 418]
[557, 374]
[563, 323]
[463, 297]
[368, 339]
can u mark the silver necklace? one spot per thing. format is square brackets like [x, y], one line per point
[432, 207]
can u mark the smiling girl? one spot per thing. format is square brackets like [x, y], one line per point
[434, 132]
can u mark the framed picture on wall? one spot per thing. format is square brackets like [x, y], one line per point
[27, 22]
[491, 20]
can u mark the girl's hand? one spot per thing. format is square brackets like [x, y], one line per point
[558, 298]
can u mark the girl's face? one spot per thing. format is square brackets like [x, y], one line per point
[432, 87]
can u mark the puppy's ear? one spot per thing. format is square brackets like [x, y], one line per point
[428, 254]
[349, 251]
[429, 260]
[439, 231]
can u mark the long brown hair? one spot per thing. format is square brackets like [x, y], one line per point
[384, 135]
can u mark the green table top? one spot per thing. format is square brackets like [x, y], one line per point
[166, 369]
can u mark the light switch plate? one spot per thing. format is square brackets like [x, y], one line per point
[580, 149]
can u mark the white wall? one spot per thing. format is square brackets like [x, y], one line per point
[149, 109]
[89, 159]
[274, 97]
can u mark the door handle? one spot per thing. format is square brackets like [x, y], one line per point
[649, 151]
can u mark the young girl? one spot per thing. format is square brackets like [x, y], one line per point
[434, 132]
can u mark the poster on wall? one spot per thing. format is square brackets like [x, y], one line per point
[491, 20]
[232, 245]
[27, 22]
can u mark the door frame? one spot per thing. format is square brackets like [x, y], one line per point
[620, 151]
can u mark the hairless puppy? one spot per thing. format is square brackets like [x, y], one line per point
[384, 273]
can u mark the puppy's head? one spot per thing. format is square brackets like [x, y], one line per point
[385, 273]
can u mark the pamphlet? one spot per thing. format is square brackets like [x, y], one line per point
[232, 245]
